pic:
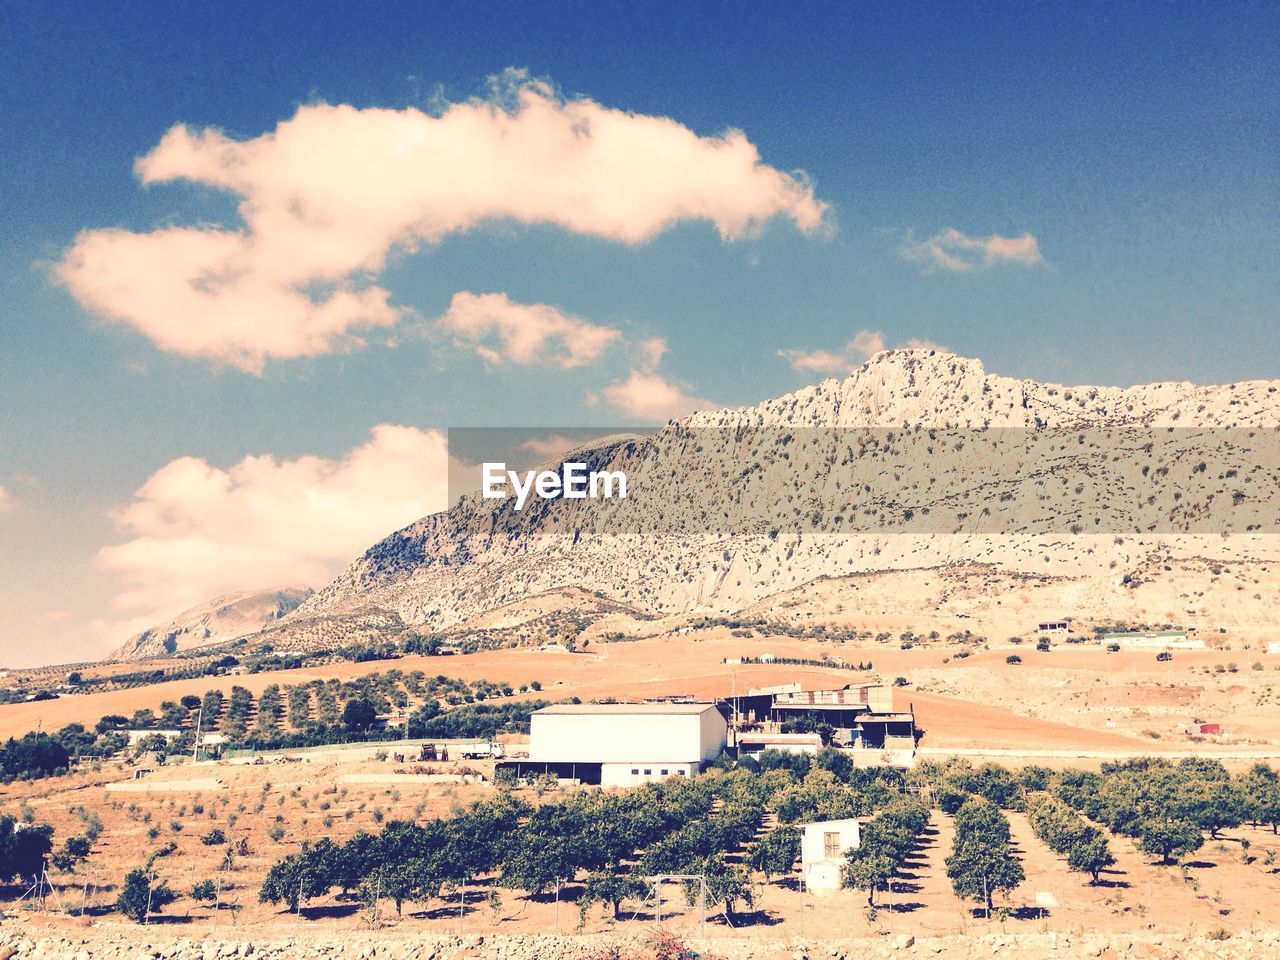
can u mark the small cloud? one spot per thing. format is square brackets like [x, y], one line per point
[645, 394]
[863, 346]
[950, 249]
[502, 331]
[550, 447]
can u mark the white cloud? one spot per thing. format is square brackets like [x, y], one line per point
[649, 396]
[645, 394]
[950, 249]
[524, 333]
[551, 447]
[196, 531]
[864, 345]
[332, 191]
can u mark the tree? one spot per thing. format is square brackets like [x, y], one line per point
[612, 888]
[775, 855]
[23, 848]
[204, 890]
[35, 755]
[74, 849]
[299, 877]
[359, 714]
[1169, 838]
[982, 862]
[1260, 790]
[1090, 855]
[1213, 805]
[726, 885]
[868, 868]
[140, 896]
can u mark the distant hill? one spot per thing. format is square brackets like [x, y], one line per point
[226, 618]
[880, 471]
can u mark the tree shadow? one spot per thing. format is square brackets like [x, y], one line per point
[1200, 864]
[1111, 884]
[746, 918]
[907, 906]
[329, 911]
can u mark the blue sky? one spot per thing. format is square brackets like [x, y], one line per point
[1135, 144]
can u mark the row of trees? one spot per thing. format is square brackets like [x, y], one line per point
[1067, 834]
[886, 843]
[449, 708]
[1168, 808]
[609, 843]
[33, 756]
[531, 849]
[982, 862]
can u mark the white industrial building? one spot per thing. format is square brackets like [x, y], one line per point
[822, 852]
[623, 744]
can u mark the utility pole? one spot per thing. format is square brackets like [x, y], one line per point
[195, 749]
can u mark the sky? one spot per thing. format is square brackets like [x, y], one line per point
[256, 258]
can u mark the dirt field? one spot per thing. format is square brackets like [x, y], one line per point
[1072, 700]
[1225, 886]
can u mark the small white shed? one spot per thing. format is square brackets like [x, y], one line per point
[822, 849]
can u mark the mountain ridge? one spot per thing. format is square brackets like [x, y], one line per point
[457, 564]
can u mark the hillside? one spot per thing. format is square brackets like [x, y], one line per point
[917, 461]
[228, 617]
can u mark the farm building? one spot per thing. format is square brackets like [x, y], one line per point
[758, 741]
[137, 736]
[860, 714]
[822, 852]
[1054, 626]
[1152, 640]
[622, 744]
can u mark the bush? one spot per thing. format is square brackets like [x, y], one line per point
[204, 890]
[140, 897]
[213, 838]
[1013, 658]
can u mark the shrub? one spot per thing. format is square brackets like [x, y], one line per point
[140, 896]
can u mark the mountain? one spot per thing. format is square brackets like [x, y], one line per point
[918, 460]
[228, 617]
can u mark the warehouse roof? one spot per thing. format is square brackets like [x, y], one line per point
[627, 709]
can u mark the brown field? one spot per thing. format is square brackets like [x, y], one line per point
[1081, 701]
[1054, 708]
[1224, 886]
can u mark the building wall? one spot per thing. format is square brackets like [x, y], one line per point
[623, 738]
[1152, 641]
[822, 871]
[634, 774]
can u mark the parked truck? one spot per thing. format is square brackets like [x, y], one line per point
[478, 751]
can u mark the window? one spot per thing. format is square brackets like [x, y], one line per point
[648, 772]
[831, 845]
[635, 771]
[665, 772]
[679, 773]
